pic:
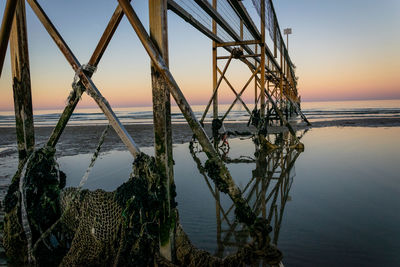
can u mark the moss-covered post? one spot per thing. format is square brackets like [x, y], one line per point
[262, 60]
[214, 65]
[162, 126]
[21, 83]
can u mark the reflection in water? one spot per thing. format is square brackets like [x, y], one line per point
[348, 218]
[267, 191]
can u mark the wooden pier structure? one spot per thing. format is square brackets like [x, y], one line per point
[267, 189]
[234, 36]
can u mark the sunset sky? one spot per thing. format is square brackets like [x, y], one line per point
[343, 50]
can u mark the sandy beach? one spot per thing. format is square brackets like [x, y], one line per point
[83, 139]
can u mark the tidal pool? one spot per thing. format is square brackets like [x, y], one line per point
[335, 204]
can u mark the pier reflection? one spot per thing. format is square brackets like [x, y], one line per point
[266, 191]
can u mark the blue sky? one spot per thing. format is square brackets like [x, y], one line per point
[342, 49]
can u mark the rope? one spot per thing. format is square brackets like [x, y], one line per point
[24, 213]
[77, 87]
[90, 69]
[82, 182]
[94, 157]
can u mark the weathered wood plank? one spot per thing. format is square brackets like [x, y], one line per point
[162, 124]
[262, 63]
[215, 65]
[87, 82]
[21, 83]
[236, 94]
[94, 61]
[215, 90]
[232, 190]
[241, 91]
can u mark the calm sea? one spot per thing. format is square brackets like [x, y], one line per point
[314, 111]
[335, 204]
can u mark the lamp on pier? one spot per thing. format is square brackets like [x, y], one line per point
[287, 31]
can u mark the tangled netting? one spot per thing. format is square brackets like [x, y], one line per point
[49, 225]
[74, 227]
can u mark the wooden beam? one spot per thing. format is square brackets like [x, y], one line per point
[162, 125]
[22, 83]
[177, 9]
[234, 91]
[232, 190]
[196, 24]
[255, 83]
[214, 68]
[214, 14]
[241, 91]
[245, 17]
[107, 36]
[247, 42]
[262, 63]
[206, 6]
[94, 61]
[87, 82]
[242, 56]
[242, 13]
[215, 90]
[5, 29]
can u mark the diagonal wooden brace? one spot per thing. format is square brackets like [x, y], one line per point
[277, 110]
[234, 91]
[94, 61]
[232, 190]
[85, 80]
[241, 91]
[216, 88]
[5, 29]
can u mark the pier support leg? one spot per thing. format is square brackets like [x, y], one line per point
[21, 83]
[214, 66]
[224, 177]
[262, 62]
[162, 125]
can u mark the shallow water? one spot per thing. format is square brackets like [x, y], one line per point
[315, 111]
[337, 204]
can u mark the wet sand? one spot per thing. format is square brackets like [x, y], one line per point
[83, 139]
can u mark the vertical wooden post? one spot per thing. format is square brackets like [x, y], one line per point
[275, 38]
[281, 80]
[262, 63]
[219, 221]
[241, 32]
[162, 125]
[255, 83]
[5, 29]
[215, 65]
[21, 83]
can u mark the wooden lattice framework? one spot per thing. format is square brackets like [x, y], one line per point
[273, 81]
[268, 189]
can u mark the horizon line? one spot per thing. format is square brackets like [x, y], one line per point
[203, 104]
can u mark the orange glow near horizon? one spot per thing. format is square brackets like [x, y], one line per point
[353, 57]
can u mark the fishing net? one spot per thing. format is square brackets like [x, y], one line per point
[74, 227]
[47, 224]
